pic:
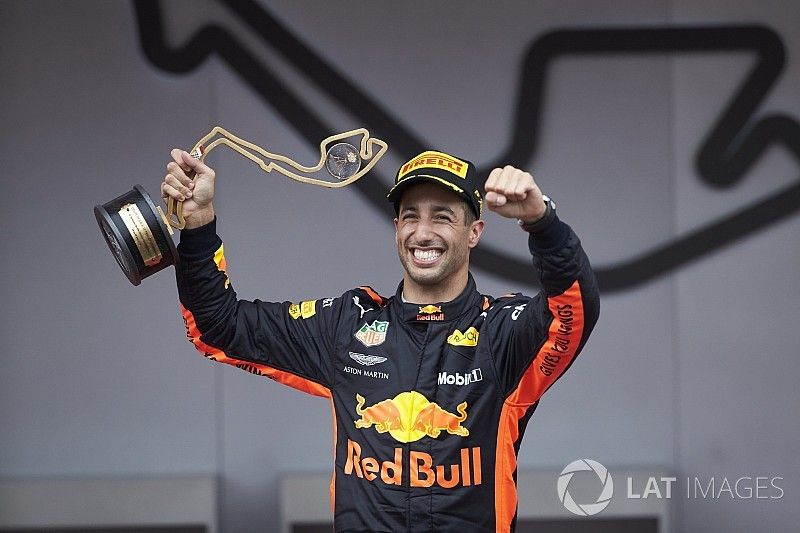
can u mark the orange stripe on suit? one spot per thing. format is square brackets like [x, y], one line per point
[533, 384]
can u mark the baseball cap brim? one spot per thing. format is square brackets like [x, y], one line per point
[396, 192]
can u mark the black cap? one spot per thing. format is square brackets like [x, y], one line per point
[458, 175]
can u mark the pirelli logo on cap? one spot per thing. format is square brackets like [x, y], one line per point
[431, 159]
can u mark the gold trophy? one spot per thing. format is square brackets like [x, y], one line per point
[139, 233]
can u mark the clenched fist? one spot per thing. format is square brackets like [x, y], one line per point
[190, 181]
[512, 193]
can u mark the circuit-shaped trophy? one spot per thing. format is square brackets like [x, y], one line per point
[139, 233]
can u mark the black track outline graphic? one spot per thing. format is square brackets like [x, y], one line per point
[728, 151]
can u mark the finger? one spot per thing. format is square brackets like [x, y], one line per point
[170, 191]
[510, 184]
[514, 187]
[176, 156]
[174, 169]
[491, 181]
[196, 165]
[522, 186]
[176, 184]
[495, 199]
[503, 179]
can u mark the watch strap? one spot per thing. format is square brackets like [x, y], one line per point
[544, 221]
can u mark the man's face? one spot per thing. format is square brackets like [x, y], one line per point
[433, 241]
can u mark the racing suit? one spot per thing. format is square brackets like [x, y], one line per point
[430, 401]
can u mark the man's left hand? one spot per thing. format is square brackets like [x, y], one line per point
[512, 193]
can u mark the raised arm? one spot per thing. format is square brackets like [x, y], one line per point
[534, 340]
[290, 343]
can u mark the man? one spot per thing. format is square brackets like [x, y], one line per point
[432, 388]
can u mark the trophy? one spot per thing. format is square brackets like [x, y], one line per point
[139, 233]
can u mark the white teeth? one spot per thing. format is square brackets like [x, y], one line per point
[426, 255]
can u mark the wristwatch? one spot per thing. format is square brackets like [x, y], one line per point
[538, 225]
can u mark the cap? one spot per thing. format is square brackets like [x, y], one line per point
[456, 174]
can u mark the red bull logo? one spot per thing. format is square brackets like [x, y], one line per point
[423, 471]
[430, 312]
[409, 416]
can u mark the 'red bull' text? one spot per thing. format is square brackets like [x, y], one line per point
[423, 472]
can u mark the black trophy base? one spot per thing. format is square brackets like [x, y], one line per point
[140, 251]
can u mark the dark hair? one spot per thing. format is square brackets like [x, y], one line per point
[469, 215]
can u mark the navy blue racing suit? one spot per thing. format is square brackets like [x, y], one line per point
[431, 401]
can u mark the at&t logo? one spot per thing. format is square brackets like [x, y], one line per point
[586, 509]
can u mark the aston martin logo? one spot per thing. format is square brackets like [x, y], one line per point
[366, 360]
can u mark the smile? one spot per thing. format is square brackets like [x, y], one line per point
[427, 256]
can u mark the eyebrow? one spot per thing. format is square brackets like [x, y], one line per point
[435, 209]
[440, 208]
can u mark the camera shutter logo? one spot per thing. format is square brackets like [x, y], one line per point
[587, 509]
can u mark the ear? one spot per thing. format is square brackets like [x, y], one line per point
[395, 224]
[475, 232]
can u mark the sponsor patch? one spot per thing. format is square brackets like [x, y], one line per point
[424, 469]
[468, 338]
[303, 310]
[366, 372]
[518, 309]
[432, 159]
[409, 416]
[356, 301]
[366, 359]
[222, 266]
[446, 378]
[430, 313]
[372, 334]
[308, 308]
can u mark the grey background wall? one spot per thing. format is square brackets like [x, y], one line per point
[695, 371]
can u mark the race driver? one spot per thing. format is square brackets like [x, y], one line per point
[432, 388]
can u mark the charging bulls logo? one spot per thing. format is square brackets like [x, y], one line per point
[430, 312]
[409, 416]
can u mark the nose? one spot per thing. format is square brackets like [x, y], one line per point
[423, 231]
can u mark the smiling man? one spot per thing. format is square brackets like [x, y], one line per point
[435, 232]
[432, 388]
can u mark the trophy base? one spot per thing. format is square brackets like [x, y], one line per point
[136, 234]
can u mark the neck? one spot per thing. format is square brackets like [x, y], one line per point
[446, 291]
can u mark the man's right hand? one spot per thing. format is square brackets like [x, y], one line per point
[196, 194]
